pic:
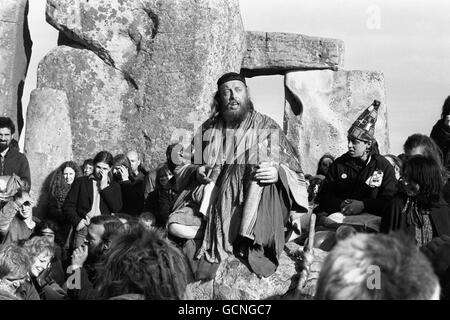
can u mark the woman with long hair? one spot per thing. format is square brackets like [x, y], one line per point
[418, 208]
[60, 184]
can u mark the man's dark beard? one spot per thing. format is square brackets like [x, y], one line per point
[3, 146]
[95, 254]
[233, 118]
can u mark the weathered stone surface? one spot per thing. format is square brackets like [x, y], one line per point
[48, 110]
[15, 52]
[278, 53]
[322, 105]
[170, 53]
[234, 281]
[97, 95]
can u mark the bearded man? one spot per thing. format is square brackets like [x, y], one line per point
[246, 187]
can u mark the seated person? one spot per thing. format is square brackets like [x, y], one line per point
[14, 267]
[361, 180]
[16, 218]
[324, 164]
[42, 252]
[88, 167]
[424, 145]
[377, 267]
[97, 194]
[245, 190]
[160, 186]
[132, 188]
[419, 208]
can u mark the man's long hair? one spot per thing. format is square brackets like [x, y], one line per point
[142, 262]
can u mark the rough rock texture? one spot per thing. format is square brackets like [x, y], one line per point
[322, 105]
[278, 53]
[98, 99]
[170, 53]
[15, 53]
[48, 108]
[234, 281]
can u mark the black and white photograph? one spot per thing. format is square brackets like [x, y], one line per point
[224, 157]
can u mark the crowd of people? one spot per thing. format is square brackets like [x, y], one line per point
[114, 230]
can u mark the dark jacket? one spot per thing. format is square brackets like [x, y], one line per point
[441, 135]
[16, 162]
[348, 178]
[393, 219]
[133, 197]
[161, 194]
[81, 195]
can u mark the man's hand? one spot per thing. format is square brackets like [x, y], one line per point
[266, 173]
[104, 180]
[124, 173]
[79, 255]
[352, 207]
[296, 224]
[23, 198]
[202, 174]
[83, 223]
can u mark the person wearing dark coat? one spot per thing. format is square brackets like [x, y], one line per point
[91, 196]
[11, 160]
[132, 188]
[419, 209]
[361, 180]
[441, 133]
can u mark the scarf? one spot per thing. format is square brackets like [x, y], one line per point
[420, 219]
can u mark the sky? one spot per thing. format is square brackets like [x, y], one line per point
[408, 41]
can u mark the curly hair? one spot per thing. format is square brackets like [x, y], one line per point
[58, 186]
[427, 174]
[14, 260]
[38, 245]
[143, 262]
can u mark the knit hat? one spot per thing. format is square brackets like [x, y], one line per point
[230, 76]
[364, 127]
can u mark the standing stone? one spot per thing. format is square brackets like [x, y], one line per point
[169, 53]
[15, 53]
[48, 139]
[97, 97]
[322, 105]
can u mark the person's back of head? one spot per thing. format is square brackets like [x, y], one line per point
[143, 262]
[377, 267]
